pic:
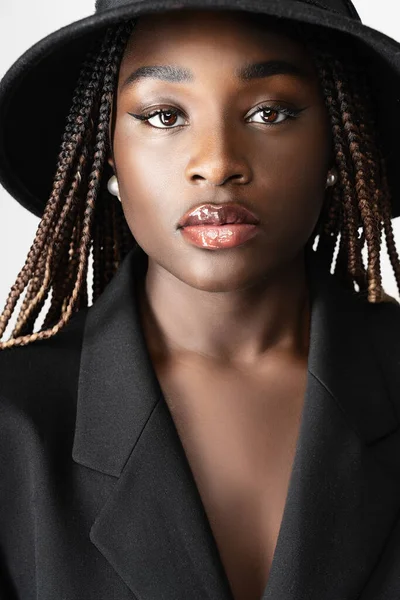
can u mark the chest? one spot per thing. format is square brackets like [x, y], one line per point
[239, 433]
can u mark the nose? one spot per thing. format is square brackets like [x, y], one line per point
[218, 156]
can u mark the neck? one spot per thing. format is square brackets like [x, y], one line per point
[239, 327]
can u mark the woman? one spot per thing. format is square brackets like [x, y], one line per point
[223, 421]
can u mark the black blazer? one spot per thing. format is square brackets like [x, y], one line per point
[98, 501]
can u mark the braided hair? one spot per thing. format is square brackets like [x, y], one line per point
[81, 216]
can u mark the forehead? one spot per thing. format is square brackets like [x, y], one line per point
[167, 31]
[188, 42]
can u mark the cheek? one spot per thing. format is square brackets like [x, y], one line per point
[293, 182]
[146, 178]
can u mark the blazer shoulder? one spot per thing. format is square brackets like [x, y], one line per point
[382, 322]
[383, 330]
[385, 317]
[43, 375]
[38, 384]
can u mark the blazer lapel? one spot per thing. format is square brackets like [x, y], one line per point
[153, 529]
[344, 492]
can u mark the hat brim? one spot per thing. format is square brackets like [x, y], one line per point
[36, 92]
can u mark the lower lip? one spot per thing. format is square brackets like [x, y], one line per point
[221, 236]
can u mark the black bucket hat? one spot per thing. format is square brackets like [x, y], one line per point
[36, 92]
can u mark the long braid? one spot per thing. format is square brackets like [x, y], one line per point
[83, 107]
[366, 193]
[343, 207]
[31, 309]
[104, 80]
[111, 71]
[365, 199]
[378, 168]
[75, 126]
[387, 223]
[98, 253]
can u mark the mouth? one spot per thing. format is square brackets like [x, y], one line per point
[219, 237]
[218, 215]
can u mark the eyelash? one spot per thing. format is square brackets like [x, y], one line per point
[291, 113]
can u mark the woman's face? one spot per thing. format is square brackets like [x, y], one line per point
[221, 146]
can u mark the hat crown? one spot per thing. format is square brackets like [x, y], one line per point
[342, 7]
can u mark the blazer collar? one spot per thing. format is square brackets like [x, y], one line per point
[341, 502]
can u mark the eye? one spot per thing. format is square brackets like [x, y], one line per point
[168, 116]
[274, 109]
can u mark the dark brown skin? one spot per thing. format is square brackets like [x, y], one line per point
[233, 304]
[227, 330]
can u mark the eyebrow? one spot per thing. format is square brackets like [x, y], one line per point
[245, 73]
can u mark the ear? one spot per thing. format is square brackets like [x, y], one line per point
[111, 163]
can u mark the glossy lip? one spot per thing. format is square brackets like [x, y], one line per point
[221, 236]
[218, 214]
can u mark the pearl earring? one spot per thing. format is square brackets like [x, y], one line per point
[112, 187]
[331, 179]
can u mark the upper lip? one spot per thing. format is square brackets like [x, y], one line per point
[217, 214]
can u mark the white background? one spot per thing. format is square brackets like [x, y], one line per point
[24, 22]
